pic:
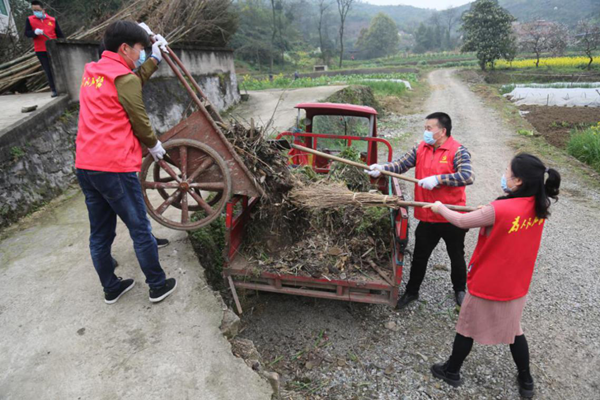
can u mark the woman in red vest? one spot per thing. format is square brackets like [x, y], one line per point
[502, 265]
[42, 27]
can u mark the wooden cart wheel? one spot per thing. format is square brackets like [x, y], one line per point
[195, 181]
[157, 178]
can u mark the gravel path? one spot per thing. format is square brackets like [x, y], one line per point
[336, 350]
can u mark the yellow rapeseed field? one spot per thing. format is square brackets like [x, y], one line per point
[556, 62]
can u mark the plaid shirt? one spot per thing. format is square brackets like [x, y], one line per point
[462, 165]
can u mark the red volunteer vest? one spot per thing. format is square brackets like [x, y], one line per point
[105, 139]
[502, 264]
[48, 25]
[438, 162]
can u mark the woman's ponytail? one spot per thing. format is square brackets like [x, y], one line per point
[532, 172]
[552, 184]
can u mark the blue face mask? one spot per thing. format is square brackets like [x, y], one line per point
[39, 14]
[428, 137]
[141, 60]
[504, 185]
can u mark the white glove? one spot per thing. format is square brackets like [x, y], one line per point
[374, 170]
[160, 44]
[38, 31]
[429, 183]
[157, 151]
[146, 28]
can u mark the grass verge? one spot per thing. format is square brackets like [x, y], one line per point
[584, 145]
[209, 244]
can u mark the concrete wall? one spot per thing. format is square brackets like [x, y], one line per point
[213, 69]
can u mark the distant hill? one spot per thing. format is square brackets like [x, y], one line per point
[568, 12]
[406, 17]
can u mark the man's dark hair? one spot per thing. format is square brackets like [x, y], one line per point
[120, 32]
[37, 3]
[444, 121]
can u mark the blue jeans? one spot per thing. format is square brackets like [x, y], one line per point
[108, 194]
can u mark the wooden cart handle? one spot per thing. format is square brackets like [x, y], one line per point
[353, 163]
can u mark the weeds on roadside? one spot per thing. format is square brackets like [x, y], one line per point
[585, 146]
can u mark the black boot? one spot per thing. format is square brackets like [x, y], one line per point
[459, 297]
[441, 371]
[406, 299]
[525, 380]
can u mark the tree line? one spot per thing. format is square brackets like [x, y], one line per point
[491, 32]
[270, 34]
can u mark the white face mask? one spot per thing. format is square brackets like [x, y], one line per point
[428, 137]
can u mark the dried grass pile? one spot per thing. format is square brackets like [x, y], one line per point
[266, 162]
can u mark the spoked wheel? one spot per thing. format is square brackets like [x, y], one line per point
[177, 204]
[189, 188]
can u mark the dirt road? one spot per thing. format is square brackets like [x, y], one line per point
[263, 103]
[375, 352]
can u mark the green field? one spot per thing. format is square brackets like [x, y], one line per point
[379, 87]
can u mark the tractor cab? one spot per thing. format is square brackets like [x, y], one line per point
[331, 127]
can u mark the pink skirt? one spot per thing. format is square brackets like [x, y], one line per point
[491, 322]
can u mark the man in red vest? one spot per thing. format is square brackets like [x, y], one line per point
[112, 123]
[443, 167]
[41, 27]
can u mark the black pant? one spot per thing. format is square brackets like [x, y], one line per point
[427, 236]
[45, 61]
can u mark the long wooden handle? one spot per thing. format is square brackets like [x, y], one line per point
[421, 204]
[353, 163]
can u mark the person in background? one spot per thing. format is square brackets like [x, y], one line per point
[112, 125]
[42, 27]
[443, 168]
[502, 265]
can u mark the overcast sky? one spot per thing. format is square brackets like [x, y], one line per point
[437, 4]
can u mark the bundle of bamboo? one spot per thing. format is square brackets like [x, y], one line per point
[175, 19]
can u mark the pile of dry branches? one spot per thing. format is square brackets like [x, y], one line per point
[207, 20]
[267, 163]
[341, 242]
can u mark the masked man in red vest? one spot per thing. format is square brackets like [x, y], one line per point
[112, 123]
[443, 168]
[41, 27]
